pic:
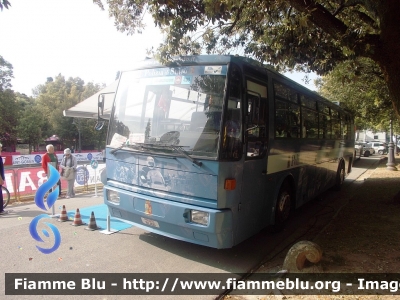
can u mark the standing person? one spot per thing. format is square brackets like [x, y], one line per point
[48, 157]
[2, 179]
[69, 164]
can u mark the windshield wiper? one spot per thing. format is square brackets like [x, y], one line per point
[122, 146]
[184, 153]
[155, 146]
[175, 148]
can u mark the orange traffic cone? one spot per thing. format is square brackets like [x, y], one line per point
[77, 219]
[92, 224]
[63, 217]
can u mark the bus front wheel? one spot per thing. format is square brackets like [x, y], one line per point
[283, 204]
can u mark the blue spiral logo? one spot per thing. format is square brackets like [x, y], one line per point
[35, 234]
[51, 199]
[45, 187]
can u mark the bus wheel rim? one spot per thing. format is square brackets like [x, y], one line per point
[342, 175]
[284, 206]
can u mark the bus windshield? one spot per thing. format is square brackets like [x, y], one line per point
[170, 106]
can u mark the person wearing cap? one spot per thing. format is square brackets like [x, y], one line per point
[2, 179]
[51, 157]
[69, 164]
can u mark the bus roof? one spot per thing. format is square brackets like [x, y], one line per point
[181, 61]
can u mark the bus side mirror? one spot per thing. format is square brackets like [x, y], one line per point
[99, 124]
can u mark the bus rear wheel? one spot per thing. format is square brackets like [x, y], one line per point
[283, 204]
[340, 175]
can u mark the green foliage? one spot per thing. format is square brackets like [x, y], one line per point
[57, 95]
[9, 112]
[286, 33]
[306, 35]
[92, 138]
[9, 107]
[359, 86]
[4, 3]
[30, 126]
[6, 73]
[33, 119]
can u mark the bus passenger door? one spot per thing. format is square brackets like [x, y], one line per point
[252, 214]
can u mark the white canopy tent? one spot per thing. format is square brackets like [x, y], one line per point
[88, 107]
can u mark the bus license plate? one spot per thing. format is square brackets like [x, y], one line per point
[150, 222]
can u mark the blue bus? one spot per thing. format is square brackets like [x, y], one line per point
[212, 149]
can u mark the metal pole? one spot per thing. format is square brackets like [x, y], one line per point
[95, 183]
[77, 123]
[108, 220]
[391, 161]
[79, 132]
[108, 230]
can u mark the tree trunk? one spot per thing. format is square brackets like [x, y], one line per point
[391, 72]
[388, 52]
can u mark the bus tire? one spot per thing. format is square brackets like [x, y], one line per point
[340, 175]
[283, 204]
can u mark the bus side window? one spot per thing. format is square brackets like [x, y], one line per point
[287, 120]
[280, 126]
[294, 123]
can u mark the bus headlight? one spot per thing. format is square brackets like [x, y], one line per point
[199, 217]
[112, 196]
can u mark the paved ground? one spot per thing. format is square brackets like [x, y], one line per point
[378, 183]
[362, 236]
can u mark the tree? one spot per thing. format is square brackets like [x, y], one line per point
[30, 126]
[9, 108]
[359, 86]
[6, 73]
[93, 139]
[9, 112]
[57, 95]
[308, 35]
[4, 3]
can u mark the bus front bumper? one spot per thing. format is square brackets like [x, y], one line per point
[172, 219]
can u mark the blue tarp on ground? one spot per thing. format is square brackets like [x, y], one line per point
[100, 214]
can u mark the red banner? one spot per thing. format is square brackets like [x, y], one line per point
[26, 181]
[7, 159]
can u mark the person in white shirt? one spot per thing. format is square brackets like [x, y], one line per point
[68, 166]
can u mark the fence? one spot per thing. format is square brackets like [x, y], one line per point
[23, 182]
[36, 158]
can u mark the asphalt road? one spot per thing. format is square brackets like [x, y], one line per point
[136, 251]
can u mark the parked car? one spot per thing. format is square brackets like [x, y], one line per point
[368, 150]
[379, 147]
[363, 149]
[358, 150]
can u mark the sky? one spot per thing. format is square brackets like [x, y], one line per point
[74, 38]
